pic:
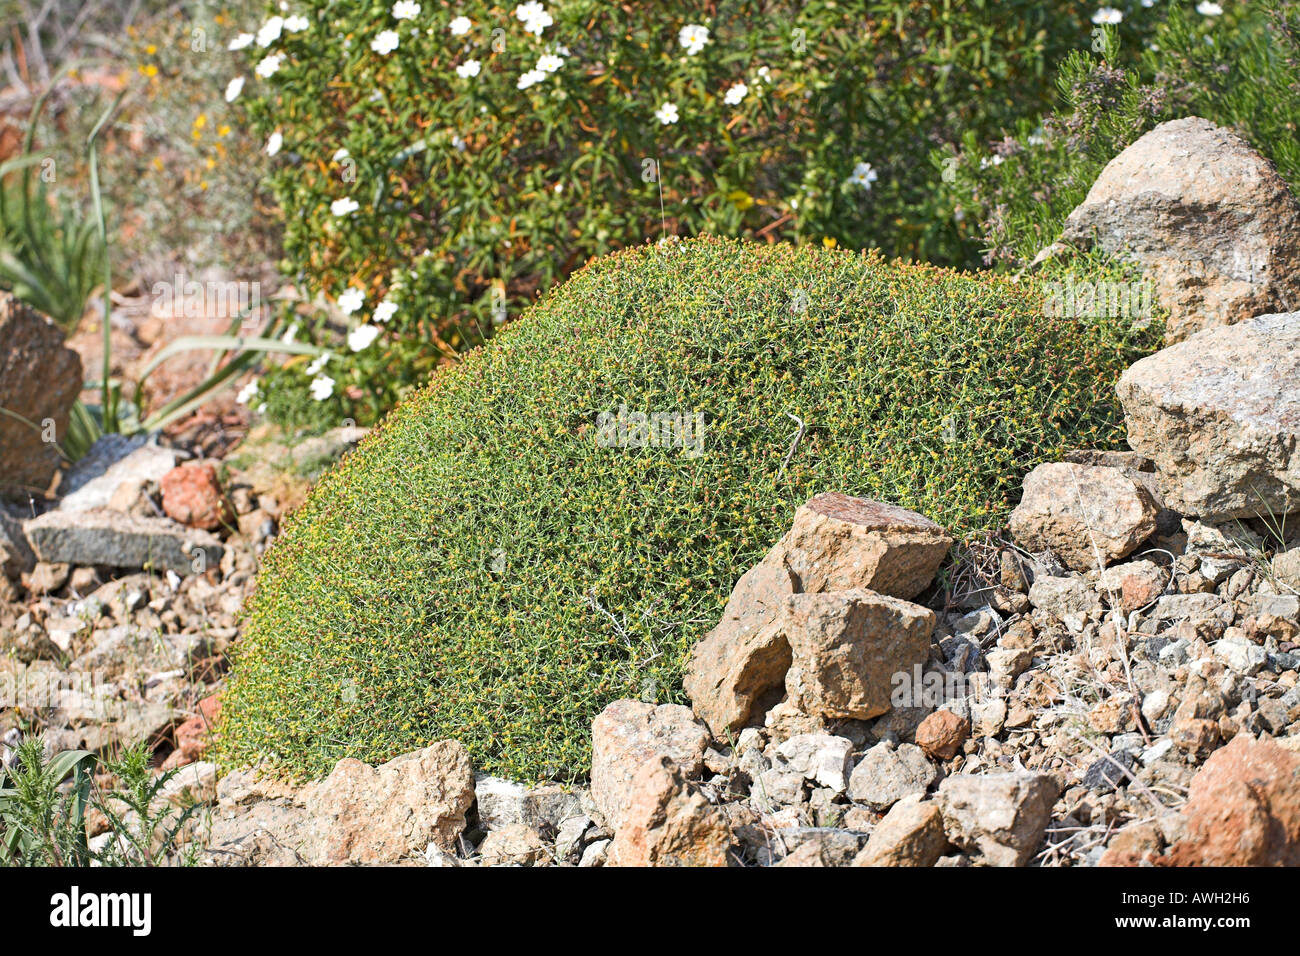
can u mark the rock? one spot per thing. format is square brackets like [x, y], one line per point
[47, 578]
[40, 378]
[1088, 516]
[515, 844]
[835, 543]
[821, 758]
[113, 462]
[942, 733]
[596, 853]
[886, 774]
[1243, 808]
[16, 557]
[1241, 656]
[911, 834]
[838, 542]
[503, 803]
[192, 496]
[1064, 598]
[667, 824]
[195, 735]
[630, 733]
[778, 787]
[123, 541]
[1107, 773]
[846, 648]
[1133, 585]
[1220, 416]
[1286, 567]
[817, 846]
[1205, 215]
[1192, 607]
[999, 818]
[367, 815]
[1138, 844]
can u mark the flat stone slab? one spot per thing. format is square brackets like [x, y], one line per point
[102, 537]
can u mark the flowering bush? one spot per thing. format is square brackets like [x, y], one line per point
[554, 521]
[1237, 65]
[440, 163]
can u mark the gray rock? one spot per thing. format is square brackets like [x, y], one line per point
[16, 557]
[1220, 416]
[123, 541]
[503, 803]
[887, 774]
[821, 758]
[999, 818]
[113, 460]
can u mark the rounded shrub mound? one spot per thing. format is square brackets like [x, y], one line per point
[552, 523]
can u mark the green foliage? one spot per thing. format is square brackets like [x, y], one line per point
[473, 194]
[43, 812]
[483, 567]
[1240, 70]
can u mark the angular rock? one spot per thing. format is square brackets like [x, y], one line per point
[817, 846]
[630, 733]
[1286, 567]
[16, 557]
[942, 734]
[1088, 516]
[1064, 598]
[113, 460]
[1220, 416]
[373, 815]
[1243, 808]
[886, 774]
[515, 844]
[1133, 585]
[836, 542]
[911, 834]
[123, 541]
[192, 496]
[1206, 216]
[821, 758]
[40, 378]
[846, 648]
[999, 818]
[503, 803]
[666, 823]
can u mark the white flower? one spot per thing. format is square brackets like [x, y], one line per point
[1148, 3]
[270, 31]
[529, 78]
[319, 363]
[764, 76]
[362, 336]
[290, 335]
[693, 37]
[233, 89]
[239, 42]
[468, 68]
[384, 311]
[269, 65]
[1207, 9]
[385, 42]
[296, 24]
[667, 114]
[995, 160]
[460, 26]
[340, 154]
[273, 143]
[735, 94]
[549, 63]
[247, 393]
[345, 206]
[351, 300]
[864, 175]
[534, 17]
[1107, 15]
[458, 144]
[173, 579]
[405, 10]
[322, 387]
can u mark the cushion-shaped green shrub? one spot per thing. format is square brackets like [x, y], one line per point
[495, 563]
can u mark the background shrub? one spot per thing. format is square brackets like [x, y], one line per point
[473, 194]
[483, 568]
[1239, 68]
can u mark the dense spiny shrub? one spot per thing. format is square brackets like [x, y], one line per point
[439, 163]
[485, 567]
